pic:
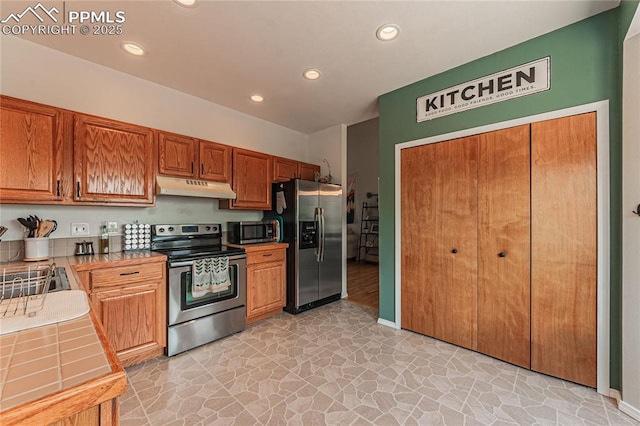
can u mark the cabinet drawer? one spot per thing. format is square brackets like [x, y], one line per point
[126, 274]
[266, 256]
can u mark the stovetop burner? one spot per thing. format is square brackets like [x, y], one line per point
[190, 241]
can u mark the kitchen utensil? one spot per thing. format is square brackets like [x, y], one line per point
[30, 224]
[44, 229]
[3, 229]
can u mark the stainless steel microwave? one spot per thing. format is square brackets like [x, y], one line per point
[253, 232]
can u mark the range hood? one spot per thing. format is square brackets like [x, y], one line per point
[193, 188]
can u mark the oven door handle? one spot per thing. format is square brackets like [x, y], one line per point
[190, 262]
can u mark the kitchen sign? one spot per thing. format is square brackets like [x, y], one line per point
[523, 80]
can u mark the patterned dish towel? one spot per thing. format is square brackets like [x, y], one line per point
[210, 276]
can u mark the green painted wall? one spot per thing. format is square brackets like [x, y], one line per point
[585, 68]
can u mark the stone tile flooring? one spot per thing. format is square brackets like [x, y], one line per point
[336, 365]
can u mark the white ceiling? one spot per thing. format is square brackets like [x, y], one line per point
[225, 51]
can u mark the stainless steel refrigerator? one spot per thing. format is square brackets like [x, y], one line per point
[312, 225]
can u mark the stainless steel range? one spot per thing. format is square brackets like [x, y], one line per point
[206, 284]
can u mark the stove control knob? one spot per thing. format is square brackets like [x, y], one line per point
[208, 228]
[161, 230]
[171, 229]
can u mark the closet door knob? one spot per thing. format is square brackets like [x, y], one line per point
[502, 254]
[454, 250]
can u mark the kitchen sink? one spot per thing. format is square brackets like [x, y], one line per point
[59, 281]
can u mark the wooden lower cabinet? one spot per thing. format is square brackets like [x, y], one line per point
[105, 414]
[266, 281]
[130, 303]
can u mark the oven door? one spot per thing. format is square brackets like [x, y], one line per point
[187, 303]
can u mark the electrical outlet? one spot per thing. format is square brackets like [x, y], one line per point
[79, 229]
[112, 227]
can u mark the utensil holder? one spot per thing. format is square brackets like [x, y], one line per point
[36, 249]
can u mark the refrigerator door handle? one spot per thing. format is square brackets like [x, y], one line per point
[322, 234]
[316, 219]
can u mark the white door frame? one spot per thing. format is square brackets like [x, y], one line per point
[602, 125]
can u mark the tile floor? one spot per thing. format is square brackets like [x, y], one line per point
[336, 365]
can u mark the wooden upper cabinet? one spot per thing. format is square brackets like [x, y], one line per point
[182, 156]
[215, 162]
[113, 161]
[31, 148]
[307, 171]
[284, 169]
[251, 181]
[176, 155]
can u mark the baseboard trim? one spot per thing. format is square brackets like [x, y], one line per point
[615, 394]
[386, 323]
[628, 409]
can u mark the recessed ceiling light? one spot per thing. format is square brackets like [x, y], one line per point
[257, 98]
[133, 48]
[311, 74]
[187, 3]
[388, 32]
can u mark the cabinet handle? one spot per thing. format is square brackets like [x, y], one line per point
[502, 254]
[202, 169]
[267, 255]
[78, 189]
[192, 167]
[454, 250]
[58, 188]
[129, 273]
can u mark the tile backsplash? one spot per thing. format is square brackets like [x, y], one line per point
[58, 247]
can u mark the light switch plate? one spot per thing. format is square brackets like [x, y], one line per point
[112, 227]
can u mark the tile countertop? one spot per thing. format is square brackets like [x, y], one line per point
[52, 372]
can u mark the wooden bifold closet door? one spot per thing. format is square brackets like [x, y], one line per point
[499, 244]
[564, 248]
[504, 245]
[439, 240]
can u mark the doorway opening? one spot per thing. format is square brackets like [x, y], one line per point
[362, 213]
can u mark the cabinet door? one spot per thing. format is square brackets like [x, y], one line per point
[176, 155]
[31, 151]
[133, 320]
[284, 169]
[504, 246]
[251, 181]
[265, 288]
[439, 240]
[308, 171]
[215, 162]
[113, 161]
[564, 248]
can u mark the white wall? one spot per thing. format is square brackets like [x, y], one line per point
[362, 160]
[37, 73]
[631, 225]
[331, 144]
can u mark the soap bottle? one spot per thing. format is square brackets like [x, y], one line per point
[104, 241]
